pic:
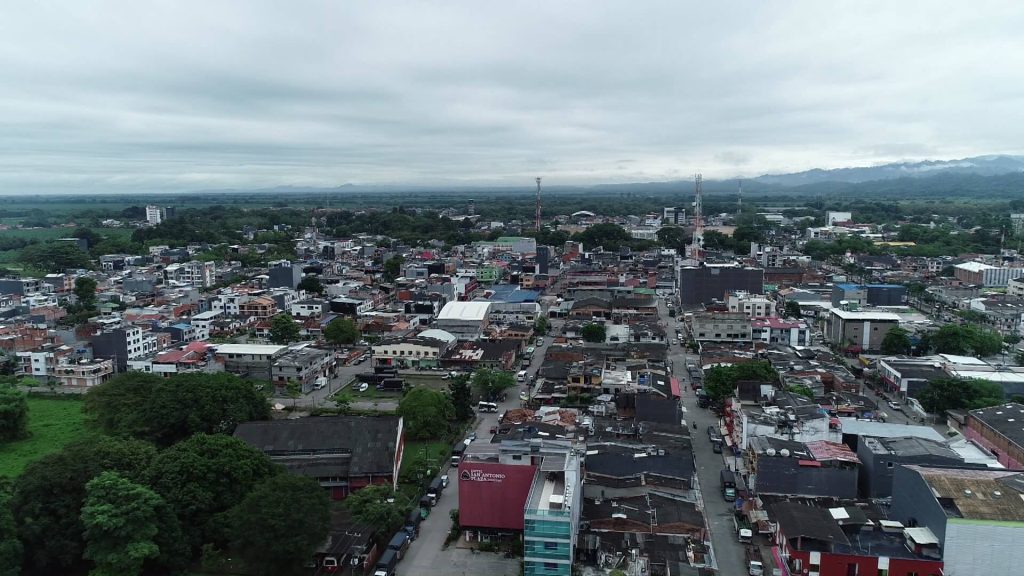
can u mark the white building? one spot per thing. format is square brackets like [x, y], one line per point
[1015, 286]
[194, 273]
[203, 321]
[831, 218]
[777, 331]
[464, 320]
[753, 305]
[154, 215]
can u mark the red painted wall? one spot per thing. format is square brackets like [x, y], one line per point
[493, 495]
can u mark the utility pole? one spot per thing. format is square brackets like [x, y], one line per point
[537, 218]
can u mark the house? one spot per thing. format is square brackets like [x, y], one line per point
[260, 307]
[907, 376]
[342, 453]
[819, 468]
[856, 538]
[84, 373]
[778, 331]
[303, 365]
[310, 308]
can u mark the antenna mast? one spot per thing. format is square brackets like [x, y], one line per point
[739, 200]
[697, 245]
[537, 222]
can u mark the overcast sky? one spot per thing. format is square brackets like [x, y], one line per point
[181, 95]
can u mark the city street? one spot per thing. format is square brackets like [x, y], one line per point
[728, 552]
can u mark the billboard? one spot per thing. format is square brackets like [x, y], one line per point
[493, 495]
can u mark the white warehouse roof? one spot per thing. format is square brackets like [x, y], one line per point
[468, 311]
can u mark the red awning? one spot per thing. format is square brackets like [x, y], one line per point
[674, 385]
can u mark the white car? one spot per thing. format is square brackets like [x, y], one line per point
[364, 387]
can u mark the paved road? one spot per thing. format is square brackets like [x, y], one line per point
[426, 556]
[728, 552]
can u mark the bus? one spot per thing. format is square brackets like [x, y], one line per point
[486, 407]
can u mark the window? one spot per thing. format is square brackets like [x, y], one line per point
[888, 464]
[851, 569]
[551, 545]
[550, 566]
[883, 572]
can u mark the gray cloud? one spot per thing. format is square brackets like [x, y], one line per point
[157, 96]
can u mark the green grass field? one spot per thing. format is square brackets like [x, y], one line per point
[52, 423]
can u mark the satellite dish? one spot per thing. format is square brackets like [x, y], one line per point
[770, 451]
[784, 453]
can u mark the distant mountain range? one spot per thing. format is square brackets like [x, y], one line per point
[999, 174]
[978, 165]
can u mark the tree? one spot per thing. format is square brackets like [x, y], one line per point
[168, 410]
[54, 256]
[10, 547]
[121, 523]
[720, 381]
[375, 506]
[311, 284]
[593, 332]
[393, 268]
[609, 236]
[342, 332]
[205, 476]
[958, 339]
[49, 494]
[673, 237]
[541, 325]
[280, 523]
[490, 383]
[946, 394]
[461, 398]
[85, 290]
[426, 413]
[283, 330]
[13, 413]
[896, 341]
[792, 309]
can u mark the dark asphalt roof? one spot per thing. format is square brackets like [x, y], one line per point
[327, 445]
[625, 464]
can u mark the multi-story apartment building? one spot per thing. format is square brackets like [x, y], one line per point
[551, 523]
[84, 374]
[194, 273]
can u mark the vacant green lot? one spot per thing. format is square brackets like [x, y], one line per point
[52, 423]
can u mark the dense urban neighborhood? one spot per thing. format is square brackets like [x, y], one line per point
[709, 388]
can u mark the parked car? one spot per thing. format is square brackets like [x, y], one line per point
[895, 406]
[364, 387]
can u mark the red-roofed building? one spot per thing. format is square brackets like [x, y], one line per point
[779, 331]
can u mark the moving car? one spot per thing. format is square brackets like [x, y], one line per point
[895, 406]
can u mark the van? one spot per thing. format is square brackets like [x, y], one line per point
[521, 376]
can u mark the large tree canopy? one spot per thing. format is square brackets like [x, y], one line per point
[167, 410]
[426, 413]
[54, 256]
[955, 394]
[49, 494]
[896, 341]
[205, 476]
[377, 507]
[121, 521]
[13, 413]
[491, 383]
[342, 331]
[965, 339]
[280, 524]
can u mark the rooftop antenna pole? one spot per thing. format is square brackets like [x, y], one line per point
[537, 222]
[697, 245]
[739, 200]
